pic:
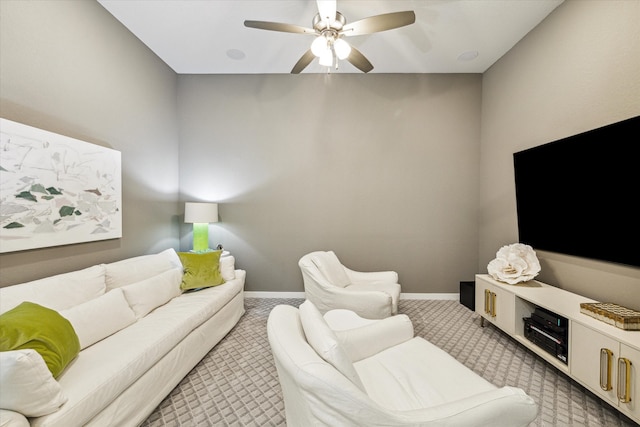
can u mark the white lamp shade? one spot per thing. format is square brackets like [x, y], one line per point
[200, 212]
[342, 49]
[319, 46]
[327, 58]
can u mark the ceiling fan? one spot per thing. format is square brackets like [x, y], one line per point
[329, 28]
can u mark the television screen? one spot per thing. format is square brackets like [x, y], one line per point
[579, 195]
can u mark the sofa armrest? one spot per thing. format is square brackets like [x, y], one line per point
[240, 275]
[506, 406]
[371, 276]
[12, 419]
[365, 341]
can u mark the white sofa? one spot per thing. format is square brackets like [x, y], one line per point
[331, 285]
[376, 373]
[127, 365]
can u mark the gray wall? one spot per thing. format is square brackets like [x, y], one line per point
[578, 70]
[382, 169]
[70, 68]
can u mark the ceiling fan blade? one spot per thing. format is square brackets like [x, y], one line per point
[303, 62]
[375, 24]
[327, 10]
[358, 60]
[277, 26]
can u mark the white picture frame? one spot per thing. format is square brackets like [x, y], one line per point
[56, 190]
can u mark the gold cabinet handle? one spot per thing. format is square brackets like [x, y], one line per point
[493, 304]
[624, 380]
[606, 356]
[487, 296]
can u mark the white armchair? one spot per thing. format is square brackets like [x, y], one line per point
[331, 285]
[378, 374]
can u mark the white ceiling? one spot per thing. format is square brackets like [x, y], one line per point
[209, 36]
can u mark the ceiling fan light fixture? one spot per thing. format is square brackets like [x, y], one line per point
[342, 49]
[326, 59]
[319, 46]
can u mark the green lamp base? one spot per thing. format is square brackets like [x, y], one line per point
[201, 237]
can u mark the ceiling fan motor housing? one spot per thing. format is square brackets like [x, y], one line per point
[319, 25]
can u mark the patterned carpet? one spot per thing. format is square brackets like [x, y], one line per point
[236, 384]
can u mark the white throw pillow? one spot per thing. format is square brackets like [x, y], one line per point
[133, 270]
[228, 267]
[26, 384]
[329, 265]
[95, 320]
[325, 343]
[151, 293]
[56, 292]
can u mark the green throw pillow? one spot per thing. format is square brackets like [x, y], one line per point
[201, 270]
[33, 326]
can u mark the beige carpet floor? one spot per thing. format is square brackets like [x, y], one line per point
[236, 384]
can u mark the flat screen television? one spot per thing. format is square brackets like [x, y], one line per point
[580, 195]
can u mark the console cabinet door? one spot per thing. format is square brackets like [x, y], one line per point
[594, 361]
[628, 373]
[496, 305]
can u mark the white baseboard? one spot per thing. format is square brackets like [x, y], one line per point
[430, 296]
[261, 294]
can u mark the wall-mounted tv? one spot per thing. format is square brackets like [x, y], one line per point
[580, 195]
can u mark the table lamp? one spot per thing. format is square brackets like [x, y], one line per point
[200, 215]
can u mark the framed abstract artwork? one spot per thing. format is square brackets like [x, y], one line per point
[56, 190]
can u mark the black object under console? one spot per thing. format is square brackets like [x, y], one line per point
[548, 331]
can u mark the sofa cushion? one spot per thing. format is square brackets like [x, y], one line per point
[32, 326]
[416, 375]
[153, 292]
[57, 292]
[97, 319]
[201, 270]
[132, 270]
[329, 265]
[228, 267]
[26, 384]
[129, 353]
[325, 342]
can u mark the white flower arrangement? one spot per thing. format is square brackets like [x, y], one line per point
[514, 263]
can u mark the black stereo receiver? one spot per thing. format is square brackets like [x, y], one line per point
[548, 331]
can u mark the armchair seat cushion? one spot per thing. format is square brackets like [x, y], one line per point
[402, 378]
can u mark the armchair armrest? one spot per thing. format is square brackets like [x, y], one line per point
[370, 304]
[365, 341]
[371, 276]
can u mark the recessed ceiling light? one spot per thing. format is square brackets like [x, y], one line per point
[469, 55]
[236, 54]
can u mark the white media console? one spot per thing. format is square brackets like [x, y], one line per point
[603, 358]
